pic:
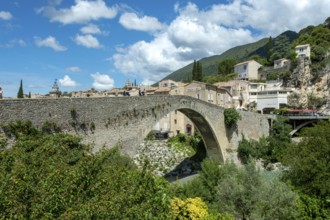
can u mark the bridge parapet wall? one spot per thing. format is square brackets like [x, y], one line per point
[105, 121]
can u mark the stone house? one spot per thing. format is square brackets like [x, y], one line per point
[86, 93]
[232, 94]
[202, 91]
[303, 50]
[247, 70]
[280, 63]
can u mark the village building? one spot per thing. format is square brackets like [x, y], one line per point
[281, 63]
[55, 92]
[268, 96]
[232, 94]
[86, 93]
[303, 50]
[247, 70]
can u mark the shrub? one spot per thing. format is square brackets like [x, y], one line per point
[231, 116]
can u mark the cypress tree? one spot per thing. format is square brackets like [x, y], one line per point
[20, 93]
[199, 76]
[269, 49]
[194, 71]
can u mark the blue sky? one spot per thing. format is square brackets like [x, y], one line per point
[102, 43]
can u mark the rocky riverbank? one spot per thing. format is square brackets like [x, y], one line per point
[164, 159]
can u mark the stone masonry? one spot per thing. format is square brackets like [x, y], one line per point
[126, 121]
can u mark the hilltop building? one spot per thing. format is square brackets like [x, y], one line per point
[303, 50]
[247, 70]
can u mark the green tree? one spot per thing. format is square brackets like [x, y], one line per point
[327, 22]
[281, 48]
[226, 67]
[20, 93]
[194, 71]
[54, 176]
[269, 49]
[309, 161]
[197, 74]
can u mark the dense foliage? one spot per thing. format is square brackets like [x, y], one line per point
[47, 176]
[244, 192]
[226, 67]
[308, 164]
[51, 175]
[270, 148]
[309, 161]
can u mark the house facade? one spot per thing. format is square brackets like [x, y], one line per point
[303, 50]
[247, 70]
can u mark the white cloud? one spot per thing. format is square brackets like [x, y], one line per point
[5, 15]
[102, 81]
[81, 12]
[145, 23]
[87, 41]
[13, 43]
[90, 29]
[49, 42]
[74, 69]
[196, 33]
[67, 82]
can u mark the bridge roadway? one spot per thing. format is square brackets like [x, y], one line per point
[126, 121]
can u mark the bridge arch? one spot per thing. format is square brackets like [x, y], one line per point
[304, 124]
[127, 120]
[209, 137]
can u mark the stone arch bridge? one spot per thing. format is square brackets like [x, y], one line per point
[108, 121]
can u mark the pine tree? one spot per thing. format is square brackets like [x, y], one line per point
[20, 93]
[29, 95]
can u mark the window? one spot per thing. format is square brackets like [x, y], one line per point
[244, 67]
[175, 121]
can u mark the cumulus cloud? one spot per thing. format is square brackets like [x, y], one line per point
[5, 15]
[90, 29]
[102, 81]
[144, 23]
[49, 42]
[74, 69]
[196, 33]
[88, 41]
[67, 82]
[82, 11]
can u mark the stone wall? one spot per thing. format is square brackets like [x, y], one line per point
[126, 121]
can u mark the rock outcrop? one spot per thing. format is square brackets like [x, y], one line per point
[310, 90]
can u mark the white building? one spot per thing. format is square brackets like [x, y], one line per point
[268, 96]
[247, 70]
[303, 50]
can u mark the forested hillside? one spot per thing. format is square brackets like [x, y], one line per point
[239, 53]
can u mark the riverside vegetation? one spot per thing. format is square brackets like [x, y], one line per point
[51, 175]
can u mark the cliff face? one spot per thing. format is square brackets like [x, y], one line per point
[309, 92]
